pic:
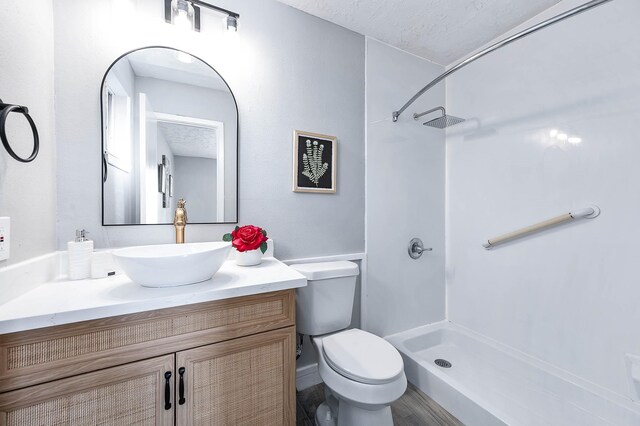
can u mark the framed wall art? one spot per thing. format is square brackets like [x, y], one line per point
[314, 162]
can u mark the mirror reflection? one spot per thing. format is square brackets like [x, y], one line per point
[170, 126]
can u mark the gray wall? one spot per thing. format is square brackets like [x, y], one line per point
[284, 78]
[195, 180]
[27, 191]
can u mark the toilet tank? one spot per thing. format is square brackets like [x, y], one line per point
[325, 305]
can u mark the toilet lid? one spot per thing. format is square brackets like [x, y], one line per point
[362, 357]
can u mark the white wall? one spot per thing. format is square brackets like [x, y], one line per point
[405, 194]
[284, 77]
[568, 296]
[28, 191]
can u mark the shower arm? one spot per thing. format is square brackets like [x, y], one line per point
[498, 45]
[441, 109]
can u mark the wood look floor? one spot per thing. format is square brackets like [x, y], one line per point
[414, 408]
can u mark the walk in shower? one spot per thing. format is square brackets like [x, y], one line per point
[540, 329]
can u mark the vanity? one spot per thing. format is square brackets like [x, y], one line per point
[109, 351]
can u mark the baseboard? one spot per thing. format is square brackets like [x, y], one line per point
[307, 376]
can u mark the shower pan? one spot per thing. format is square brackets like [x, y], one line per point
[483, 382]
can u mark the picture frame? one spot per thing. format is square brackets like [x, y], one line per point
[314, 162]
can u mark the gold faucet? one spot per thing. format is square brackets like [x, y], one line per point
[180, 221]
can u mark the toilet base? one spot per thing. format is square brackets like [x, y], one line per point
[355, 416]
[324, 416]
[338, 412]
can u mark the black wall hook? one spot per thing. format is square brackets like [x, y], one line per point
[5, 110]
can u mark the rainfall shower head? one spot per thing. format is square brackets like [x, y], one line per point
[444, 121]
[441, 122]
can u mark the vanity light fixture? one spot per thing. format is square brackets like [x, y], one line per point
[186, 13]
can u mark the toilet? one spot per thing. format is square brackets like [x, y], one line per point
[363, 373]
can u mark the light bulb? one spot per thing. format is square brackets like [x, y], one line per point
[553, 133]
[183, 14]
[182, 20]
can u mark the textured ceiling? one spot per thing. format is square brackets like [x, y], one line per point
[442, 31]
[189, 141]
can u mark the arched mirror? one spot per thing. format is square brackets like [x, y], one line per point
[169, 131]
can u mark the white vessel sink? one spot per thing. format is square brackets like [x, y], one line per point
[171, 265]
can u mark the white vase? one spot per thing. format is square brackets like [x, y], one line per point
[248, 258]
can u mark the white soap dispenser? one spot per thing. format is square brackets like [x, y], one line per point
[79, 252]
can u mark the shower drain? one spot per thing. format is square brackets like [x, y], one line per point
[442, 363]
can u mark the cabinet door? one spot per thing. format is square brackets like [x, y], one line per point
[245, 381]
[132, 394]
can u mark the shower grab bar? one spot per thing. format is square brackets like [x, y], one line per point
[587, 213]
[498, 45]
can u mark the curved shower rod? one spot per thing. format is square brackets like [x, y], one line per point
[498, 45]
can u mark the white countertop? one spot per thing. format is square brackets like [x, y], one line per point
[63, 302]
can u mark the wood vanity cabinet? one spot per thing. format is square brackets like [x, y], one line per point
[228, 362]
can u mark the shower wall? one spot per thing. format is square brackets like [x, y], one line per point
[404, 195]
[569, 296]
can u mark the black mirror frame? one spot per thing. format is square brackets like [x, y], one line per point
[102, 133]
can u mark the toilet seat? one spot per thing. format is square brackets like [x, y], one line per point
[358, 394]
[362, 357]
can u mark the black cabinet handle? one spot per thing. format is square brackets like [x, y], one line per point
[181, 386]
[167, 391]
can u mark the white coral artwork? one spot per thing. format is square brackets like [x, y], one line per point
[314, 168]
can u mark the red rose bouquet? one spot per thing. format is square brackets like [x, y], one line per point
[246, 238]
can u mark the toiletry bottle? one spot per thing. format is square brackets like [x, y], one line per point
[79, 252]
